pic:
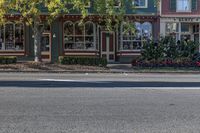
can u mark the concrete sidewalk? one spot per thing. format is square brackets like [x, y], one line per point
[111, 68]
[120, 67]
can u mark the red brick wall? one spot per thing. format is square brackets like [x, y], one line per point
[165, 7]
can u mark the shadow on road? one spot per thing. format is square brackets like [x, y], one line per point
[98, 84]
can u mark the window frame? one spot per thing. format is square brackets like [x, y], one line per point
[145, 6]
[14, 37]
[189, 10]
[133, 35]
[84, 42]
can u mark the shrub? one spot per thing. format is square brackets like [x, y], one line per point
[8, 59]
[169, 53]
[152, 51]
[91, 61]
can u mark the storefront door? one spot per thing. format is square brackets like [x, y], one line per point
[46, 47]
[108, 46]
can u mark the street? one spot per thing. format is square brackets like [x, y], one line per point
[99, 103]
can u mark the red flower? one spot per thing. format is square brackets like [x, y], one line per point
[198, 63]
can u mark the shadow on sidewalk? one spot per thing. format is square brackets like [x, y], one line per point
[95, 84]
[120, 67]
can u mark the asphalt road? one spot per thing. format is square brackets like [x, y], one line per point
[99, 103]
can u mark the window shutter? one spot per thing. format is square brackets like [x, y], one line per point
[194, 4]
[173, 5]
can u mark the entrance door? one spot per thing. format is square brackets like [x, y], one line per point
[46, 47]
[107, 46]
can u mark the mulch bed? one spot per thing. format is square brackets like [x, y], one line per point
[33, 66]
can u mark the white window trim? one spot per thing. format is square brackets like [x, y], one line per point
[146, 4]
[14, 41]
[189, 10]
[89, 5]
[84, 36]
[122, 40]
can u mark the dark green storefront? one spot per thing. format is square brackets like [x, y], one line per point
[65, 37]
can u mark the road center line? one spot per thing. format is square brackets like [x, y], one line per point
[69, 80]
[60, 80]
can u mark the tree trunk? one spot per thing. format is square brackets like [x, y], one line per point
[37, 42]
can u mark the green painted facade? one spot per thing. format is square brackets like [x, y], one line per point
[148, 14]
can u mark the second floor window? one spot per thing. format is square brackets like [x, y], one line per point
[140, 3]
[184, 5]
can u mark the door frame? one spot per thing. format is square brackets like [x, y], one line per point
[47, 52]
[107, 46]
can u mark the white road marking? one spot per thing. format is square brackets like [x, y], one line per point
[59, 80]
[69, 80]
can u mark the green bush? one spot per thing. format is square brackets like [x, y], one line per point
[168, 52]
[90, 61]
[168, 48]
[8, 59]
[152, 51]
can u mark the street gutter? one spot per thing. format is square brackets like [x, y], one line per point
[102, 71]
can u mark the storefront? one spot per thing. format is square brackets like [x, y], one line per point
[92, 39]
[67, 37]
[131, 43]
[181, 28]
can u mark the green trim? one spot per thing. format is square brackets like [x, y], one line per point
[194, 4]
[172, 5]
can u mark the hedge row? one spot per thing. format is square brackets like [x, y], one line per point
[8, 59]
[91, 61]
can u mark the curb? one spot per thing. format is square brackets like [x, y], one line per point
[109, 71]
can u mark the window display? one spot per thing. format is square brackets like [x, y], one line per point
[12, 37]
[19, 37]
[133, 40]
[79, 37]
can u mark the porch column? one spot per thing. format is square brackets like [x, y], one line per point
[162, 28]
[179, 31]
[199, 38]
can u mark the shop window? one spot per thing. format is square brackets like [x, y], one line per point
[185, 27]
[185, 37]
[12, 37]
[133, 40]
[147, 30]
[89, 36]
[183, 5]
[19, 37]
[172, 29]
[69, 28]
[140, 3]
[196, 28]
[79, 37]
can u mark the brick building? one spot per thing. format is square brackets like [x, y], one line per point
[180, 19]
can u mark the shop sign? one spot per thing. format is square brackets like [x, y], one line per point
[183, 19]
[189, 19]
